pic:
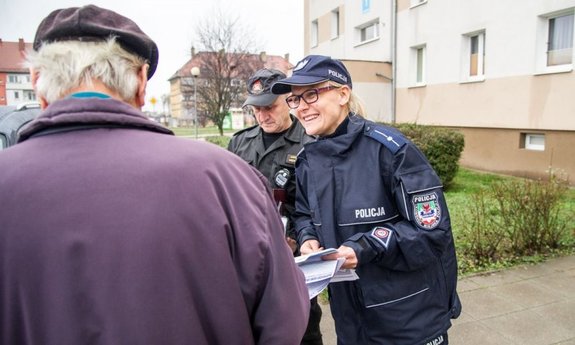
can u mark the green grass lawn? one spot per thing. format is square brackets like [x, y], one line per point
[191, 131]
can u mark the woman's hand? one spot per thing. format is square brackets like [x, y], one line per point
[309, 247]
[343, 252]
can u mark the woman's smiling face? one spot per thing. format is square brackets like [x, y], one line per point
[322, 117]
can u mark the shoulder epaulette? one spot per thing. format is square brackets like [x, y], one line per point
[244, 130]
[389, 137]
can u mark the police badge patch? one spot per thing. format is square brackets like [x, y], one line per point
[426, 210]
[383, 235]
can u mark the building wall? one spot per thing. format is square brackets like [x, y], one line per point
[499, 150]
[20, 90]
[176, 98]
[369, 63]
[517, 94]
[3, 77]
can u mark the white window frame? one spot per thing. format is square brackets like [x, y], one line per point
[542, 46]
[361, 30]
[335, 23]
[314, 39]
[569, 41]
[466, 57]
[419, 65]
[530, 143]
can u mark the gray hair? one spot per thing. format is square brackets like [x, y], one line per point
[66, 65]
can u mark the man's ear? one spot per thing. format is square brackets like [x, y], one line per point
[140, 98]
[34, 77]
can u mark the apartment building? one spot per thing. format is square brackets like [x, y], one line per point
[500, 71]
[357, 33]
[15, 83]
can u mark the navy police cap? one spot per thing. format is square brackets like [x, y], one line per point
[314, 69]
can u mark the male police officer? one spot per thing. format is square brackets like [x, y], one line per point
[271, 146]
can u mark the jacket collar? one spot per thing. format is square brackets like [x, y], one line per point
[293, 133]
[342, 143]
[89, 112]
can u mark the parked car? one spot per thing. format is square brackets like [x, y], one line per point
[12, 118]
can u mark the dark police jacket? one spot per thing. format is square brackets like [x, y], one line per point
[374, 191]
[249, 145]
[113, 231]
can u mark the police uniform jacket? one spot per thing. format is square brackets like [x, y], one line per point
[280, 155]
[113, 231]
[372, 190]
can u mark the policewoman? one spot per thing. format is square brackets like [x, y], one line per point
[271, 146]
[366, 190]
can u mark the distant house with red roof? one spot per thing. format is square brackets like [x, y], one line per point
[182, 94]
[15, 82]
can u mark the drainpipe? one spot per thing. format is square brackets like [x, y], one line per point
[393, 58]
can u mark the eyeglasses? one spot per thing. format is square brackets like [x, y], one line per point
[309, 96]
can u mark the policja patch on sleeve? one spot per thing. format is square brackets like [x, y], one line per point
[382, 235]
[426, 210]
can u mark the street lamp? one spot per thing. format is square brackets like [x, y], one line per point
[195, 74]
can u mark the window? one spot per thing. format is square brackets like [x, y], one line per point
[419, 61]
[29, 96]
[365, 6]
[13, 79]
[16, 95]
[473, 57]
[335, 23]
[368, 32]
[476, 55]
[533, 141]
[560, 40]
[314, 33]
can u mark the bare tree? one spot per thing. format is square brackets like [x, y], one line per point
[226, 62]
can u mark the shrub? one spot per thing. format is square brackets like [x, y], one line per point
[480, 239]
[530, 214]
[220, 140]
[441, 146]
[515, 218]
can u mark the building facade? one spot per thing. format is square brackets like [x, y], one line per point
[184, 99]
[15, 82]
[359, 35]
[499, 71]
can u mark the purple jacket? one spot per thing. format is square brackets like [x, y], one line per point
[113, 231]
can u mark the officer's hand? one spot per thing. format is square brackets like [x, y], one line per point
[292, 244]
[309, 247]
[343, 252]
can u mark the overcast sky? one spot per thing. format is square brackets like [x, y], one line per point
[278, 25]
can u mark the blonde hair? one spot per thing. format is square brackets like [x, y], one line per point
[354, 105]
[63, 66]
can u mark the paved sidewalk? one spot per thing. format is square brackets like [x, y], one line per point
[527, 305]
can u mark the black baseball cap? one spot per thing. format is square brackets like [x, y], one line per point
[314, 69]
[259, 87]
[90, 23]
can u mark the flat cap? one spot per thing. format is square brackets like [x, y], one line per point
[259, 87]
[89, 23]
